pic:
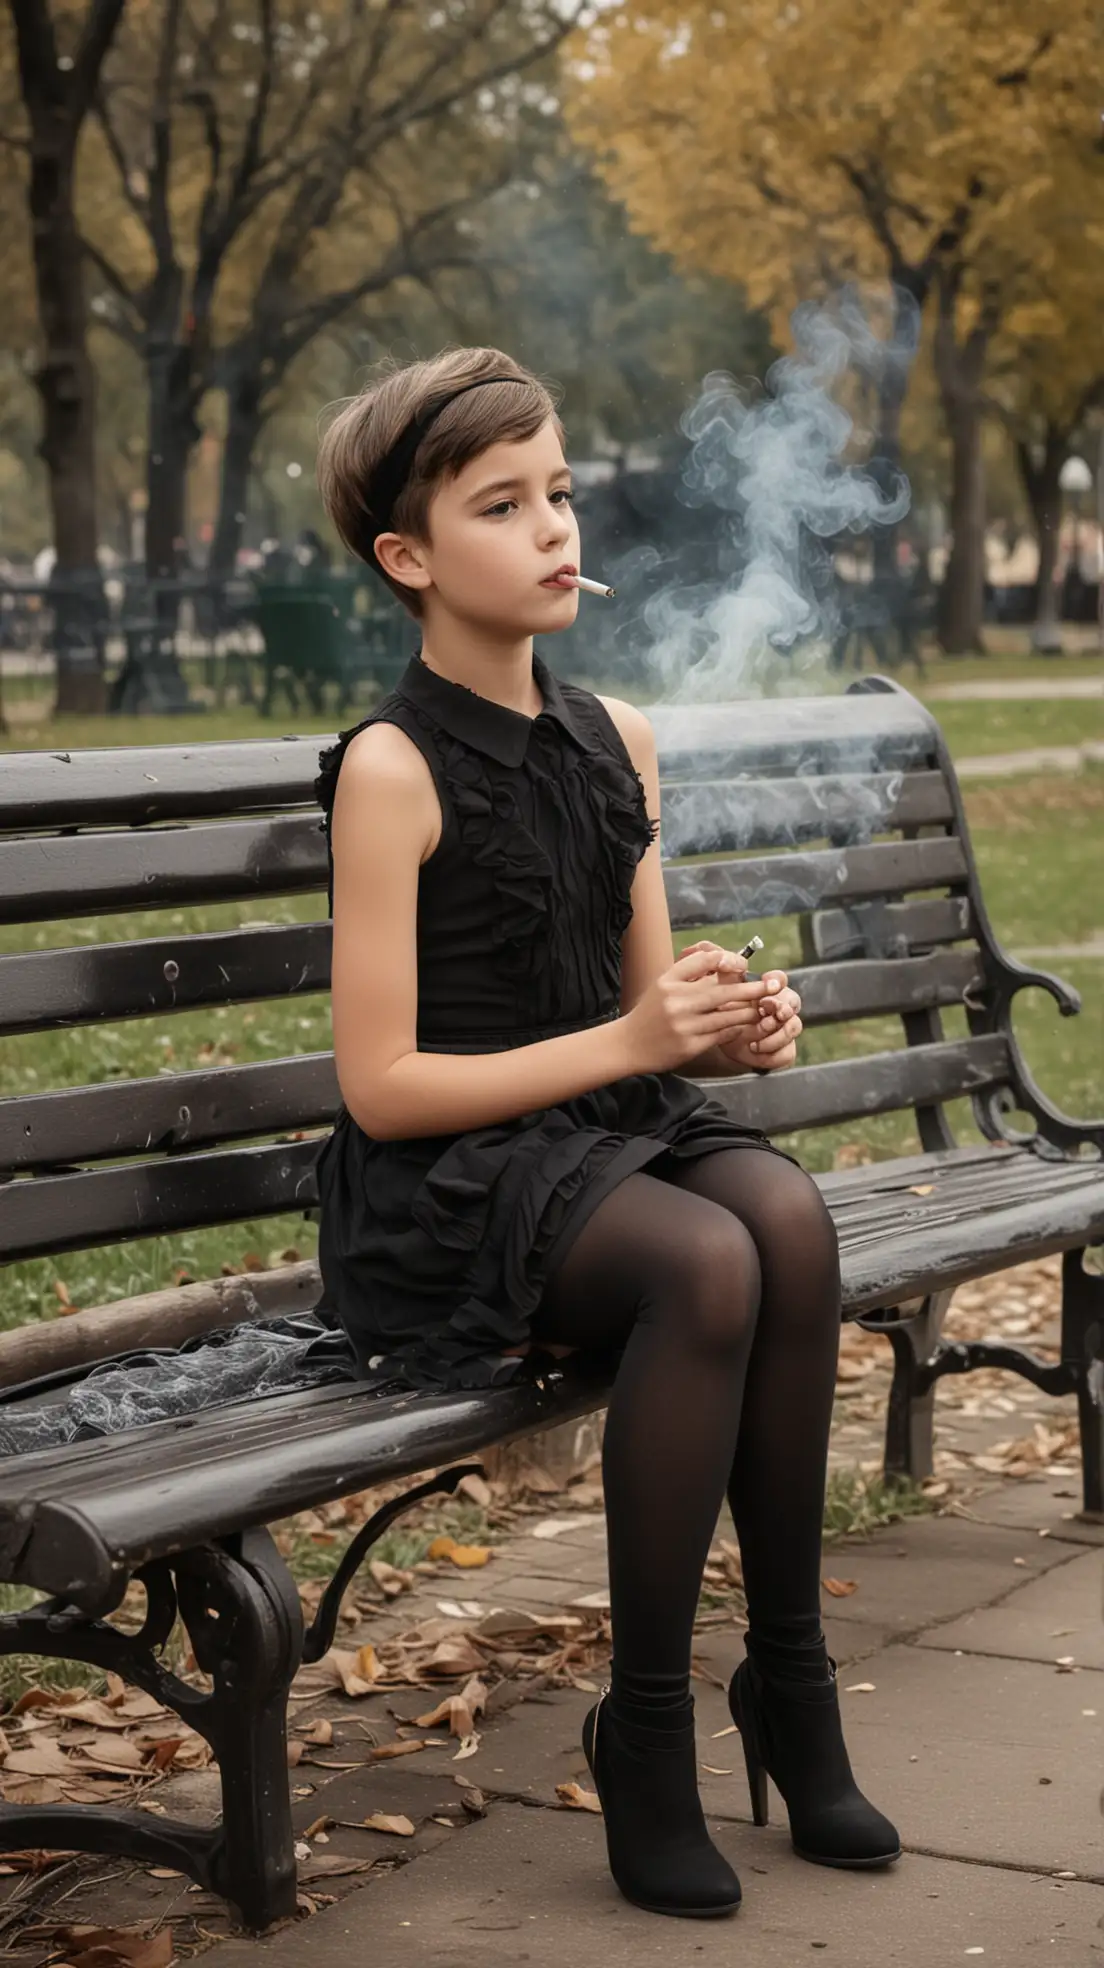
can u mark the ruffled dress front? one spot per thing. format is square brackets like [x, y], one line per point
[434, 1251]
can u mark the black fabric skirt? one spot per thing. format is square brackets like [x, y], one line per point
[434, 1251]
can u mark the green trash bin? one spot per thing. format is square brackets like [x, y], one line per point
[314, 637]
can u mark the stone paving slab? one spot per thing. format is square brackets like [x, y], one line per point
[1036, 1504]
[1055, 1616]
[930, 1569]
[531, 1887]
[983, 1733]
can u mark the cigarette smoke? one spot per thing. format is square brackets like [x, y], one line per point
[777, 466]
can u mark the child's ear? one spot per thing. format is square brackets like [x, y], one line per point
[401, 559]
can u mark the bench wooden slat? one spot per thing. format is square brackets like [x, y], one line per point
[713, 816]
[41, 990]
[890, 929]
[868, 989]
[90, 874]
[863, 733]
[53, 1213]
[175, 782]
[57, 1212]
[157, 782]
[169, 1113]
[226, 1103]
[847, 1089]
[790, 884]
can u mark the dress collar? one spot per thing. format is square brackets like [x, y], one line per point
[478, 721]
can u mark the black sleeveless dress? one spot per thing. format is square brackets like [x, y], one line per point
[434, 1251]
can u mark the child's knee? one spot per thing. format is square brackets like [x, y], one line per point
[716, 1292]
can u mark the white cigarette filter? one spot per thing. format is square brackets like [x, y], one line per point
[592, 587]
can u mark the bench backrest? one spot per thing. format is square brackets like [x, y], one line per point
[841, 811]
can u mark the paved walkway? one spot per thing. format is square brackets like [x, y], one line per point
[1039, 758]
[961, 1724]
[971, 1654]
[1006, 689]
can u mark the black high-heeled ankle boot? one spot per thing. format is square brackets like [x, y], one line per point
[660, 1853]
[791, 1731]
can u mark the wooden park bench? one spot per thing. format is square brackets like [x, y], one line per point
[843, 812]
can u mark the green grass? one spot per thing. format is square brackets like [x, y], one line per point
[855, 1505]
[973, 729]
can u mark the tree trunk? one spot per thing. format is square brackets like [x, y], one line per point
[57, 96]
[245, 419]
[1042, 484]
[151, 682]
[66, 386]
[960, 368]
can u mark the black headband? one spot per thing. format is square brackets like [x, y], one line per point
[393, 470]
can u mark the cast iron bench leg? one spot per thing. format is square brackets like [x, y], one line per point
[243, 1616]
[909, 1441]
[1083, 1350]
[241, 1608]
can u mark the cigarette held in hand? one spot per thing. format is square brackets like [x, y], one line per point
[591, 587]
[749, 949]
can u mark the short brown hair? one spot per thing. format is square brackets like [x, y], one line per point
[366, 426]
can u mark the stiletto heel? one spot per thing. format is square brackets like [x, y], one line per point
[660, 1853]
[791, 1730]
[757, 1784]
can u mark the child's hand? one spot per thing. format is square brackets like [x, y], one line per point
[747, 993]
[772, 1043]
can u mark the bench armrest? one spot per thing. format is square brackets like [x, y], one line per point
[1062, 1133]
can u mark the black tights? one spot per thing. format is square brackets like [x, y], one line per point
[721, 1281]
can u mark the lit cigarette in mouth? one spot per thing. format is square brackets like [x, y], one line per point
[590, 587]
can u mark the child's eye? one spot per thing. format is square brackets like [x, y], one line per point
[563, 492]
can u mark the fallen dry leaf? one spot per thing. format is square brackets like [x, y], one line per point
[921, 1188]
[116, 1947]
[32, 1790]
[840, 1588]
[466, 1556]
[861, 1688]
[322, 1866]
[320, 1732]
[399, 1827]
[387, 1750]
[355, 1673]
[576, 1798]
[42, 1759]
[459, 1711]
[468, 1747]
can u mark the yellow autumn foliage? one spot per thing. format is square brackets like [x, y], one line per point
[793, 147]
